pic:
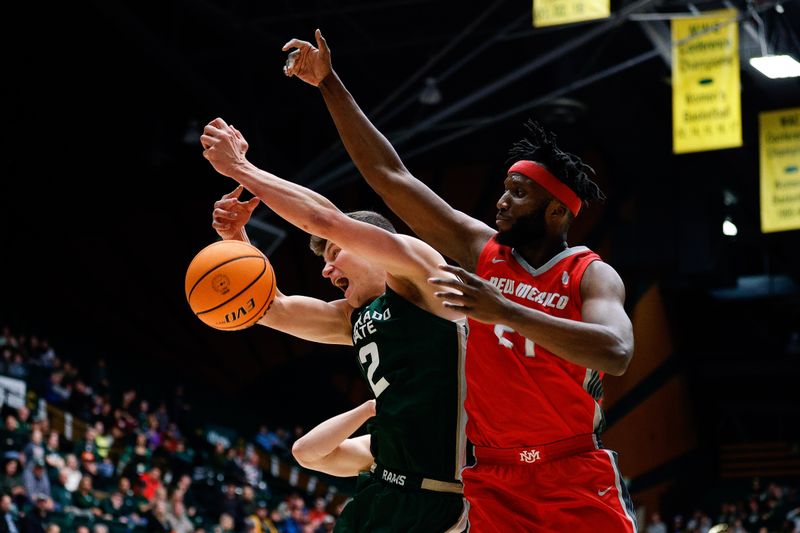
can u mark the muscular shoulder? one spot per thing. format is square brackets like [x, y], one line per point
[601, 281]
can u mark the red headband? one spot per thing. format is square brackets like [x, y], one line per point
[550, 183]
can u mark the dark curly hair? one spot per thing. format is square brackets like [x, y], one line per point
[540, 146]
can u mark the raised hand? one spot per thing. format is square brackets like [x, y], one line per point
[231, 214]
[476, 297]
[312, 65]
[224, 146]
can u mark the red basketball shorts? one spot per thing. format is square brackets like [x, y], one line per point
[525, 490]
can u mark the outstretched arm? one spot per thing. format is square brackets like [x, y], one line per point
[406, 260]
[451, 232]
[327, 448]
[601, 340]
[307, 318]
[310, 319]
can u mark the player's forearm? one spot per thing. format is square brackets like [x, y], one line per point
[298, 205]
[321, 441]
[371, 152]
[430, 217]
[594, 346]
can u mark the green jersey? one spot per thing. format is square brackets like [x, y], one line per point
[414, 363]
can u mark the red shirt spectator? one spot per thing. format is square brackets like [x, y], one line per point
[150, 482]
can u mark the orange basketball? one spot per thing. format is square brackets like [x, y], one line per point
[230, 285]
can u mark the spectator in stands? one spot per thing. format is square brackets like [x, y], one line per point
[22, 345]
[182, 459]
[178, 519]
[87, 443]
[102, 440]
[124, 424]
[132, 502]
[74, 474]
[35, 479]
[45, 355]
[7, 338]
[12, 438]
[142, 412]
[53, 528]
[270, 441]
[219, 458]
[104, 473]
[170, 437]
[8, 516]
[35, 447]
[136, 457]
[233, 467]
[100, 528]
[677, 524]
[113, 508]
[153, 432]
[231, 505]
[62, 497]
[226, 524]
[753, 517]
[81, 401]
[24, 421]
[260, 521]
[84, 499]
[57, 392]
[319, 513]
[89, 463]
[162, 415]
[17, 368]
[36, 519]
[149, 483]
[52, 456]
[737, 527]
[248, 501]
[157, 519]
[252, 467]
[11, 482]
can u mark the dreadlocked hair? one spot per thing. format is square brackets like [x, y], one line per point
[540, 146]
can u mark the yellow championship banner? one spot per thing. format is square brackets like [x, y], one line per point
[553, 12]
[779, 136]
[706, 104]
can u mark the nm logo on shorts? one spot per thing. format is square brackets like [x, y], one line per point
[529, 456]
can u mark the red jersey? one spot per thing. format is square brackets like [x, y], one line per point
[518, 393]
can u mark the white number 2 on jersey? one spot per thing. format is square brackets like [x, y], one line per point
[371, 350]
[500, 330]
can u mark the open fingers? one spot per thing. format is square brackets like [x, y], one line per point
[235, 193]
[252, 203]
[221, 226]
[224, 215]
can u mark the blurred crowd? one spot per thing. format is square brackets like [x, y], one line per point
[765, 508]
[117, 462]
